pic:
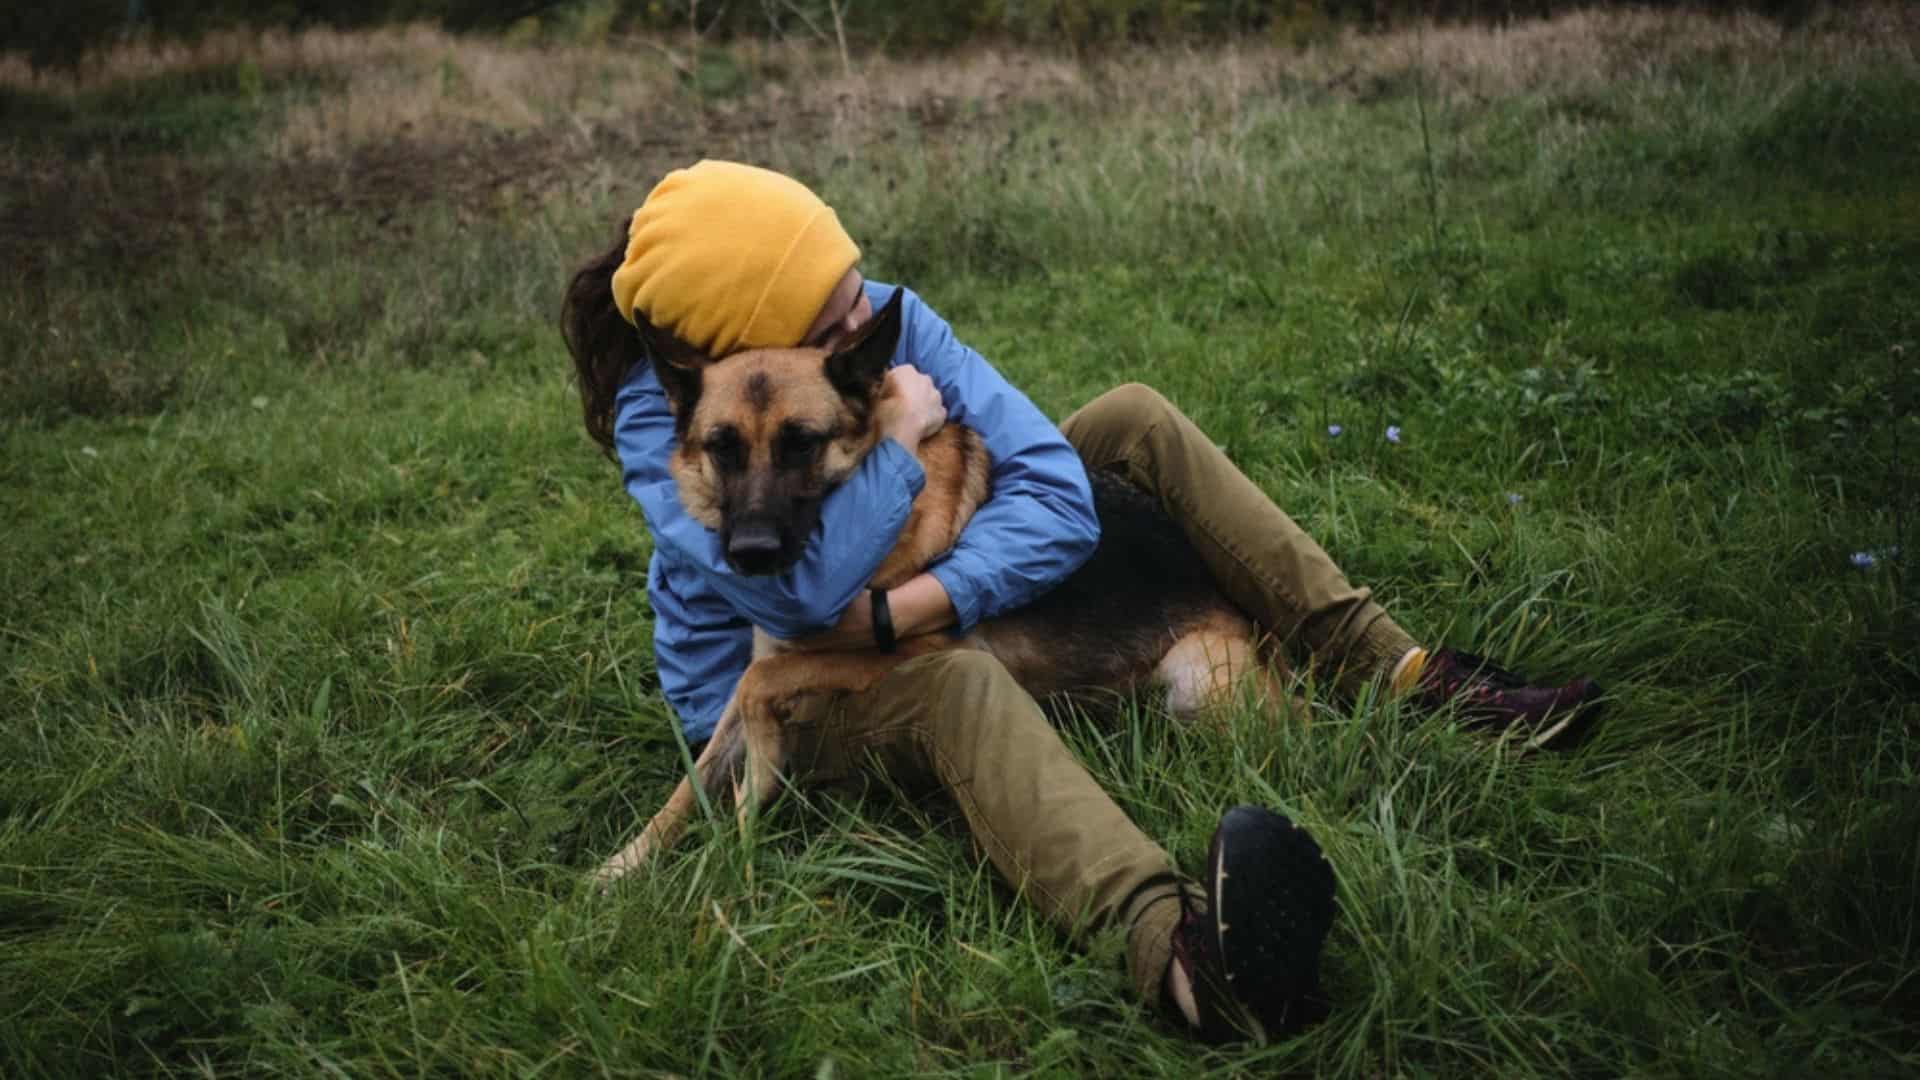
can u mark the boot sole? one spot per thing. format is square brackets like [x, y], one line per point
[1273, 902]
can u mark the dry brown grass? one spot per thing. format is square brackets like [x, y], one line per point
[413, 114]
[419, 83]
[273, 51]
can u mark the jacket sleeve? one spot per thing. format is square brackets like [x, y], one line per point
[1038, 524]
[859, 523]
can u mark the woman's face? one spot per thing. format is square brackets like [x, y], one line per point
[845, 312]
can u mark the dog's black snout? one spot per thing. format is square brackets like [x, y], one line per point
[754, 548]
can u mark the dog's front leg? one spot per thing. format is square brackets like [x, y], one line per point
[748, 736]
[766, 753]
[720, 761]
[773, 684]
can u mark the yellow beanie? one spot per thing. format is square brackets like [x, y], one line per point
[727, 256]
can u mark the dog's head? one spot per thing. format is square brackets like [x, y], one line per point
[765, 434]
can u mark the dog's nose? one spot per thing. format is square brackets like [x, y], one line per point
[754, 548]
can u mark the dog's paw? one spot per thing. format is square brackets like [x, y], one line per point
[607, 877]
[630, 861]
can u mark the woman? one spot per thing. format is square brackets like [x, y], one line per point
[723, 257]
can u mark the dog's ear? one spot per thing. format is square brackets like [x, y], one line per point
[682, 384]
[857, 369]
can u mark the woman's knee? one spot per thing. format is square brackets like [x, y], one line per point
[1119, 415]
[1137, 398]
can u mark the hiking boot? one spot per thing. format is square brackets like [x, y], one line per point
[1252, 952]
[1487, 695]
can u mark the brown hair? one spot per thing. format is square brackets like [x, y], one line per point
[605, 346]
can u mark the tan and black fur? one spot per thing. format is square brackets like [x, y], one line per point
[765, 435]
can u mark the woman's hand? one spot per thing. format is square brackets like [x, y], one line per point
[910, 410]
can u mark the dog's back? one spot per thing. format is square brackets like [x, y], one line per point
[1111, 624]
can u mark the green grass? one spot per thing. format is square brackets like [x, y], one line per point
[193, 111]
[329, 678]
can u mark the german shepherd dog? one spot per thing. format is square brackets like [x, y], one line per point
[764, 435]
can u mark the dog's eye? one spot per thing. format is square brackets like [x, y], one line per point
[798, 445]
[724, 447]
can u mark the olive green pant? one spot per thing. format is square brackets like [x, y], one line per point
[957, 722]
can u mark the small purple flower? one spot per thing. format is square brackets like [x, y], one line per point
[1514, 498]
[1865, 560]
[1334, 430]
[1393, 433]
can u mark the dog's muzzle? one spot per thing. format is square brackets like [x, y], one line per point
[755, 548]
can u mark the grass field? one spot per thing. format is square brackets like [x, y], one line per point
[328, 672]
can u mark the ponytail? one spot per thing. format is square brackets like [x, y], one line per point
[605, 346]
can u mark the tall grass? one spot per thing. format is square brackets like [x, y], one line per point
[327, 661]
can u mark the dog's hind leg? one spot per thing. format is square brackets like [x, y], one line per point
[719, 762]
[1207, 664]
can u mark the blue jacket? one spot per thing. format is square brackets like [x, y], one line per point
[1037, 527]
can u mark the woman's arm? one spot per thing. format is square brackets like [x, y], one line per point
[918, 605]
[859, 522]
[1038, 524]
